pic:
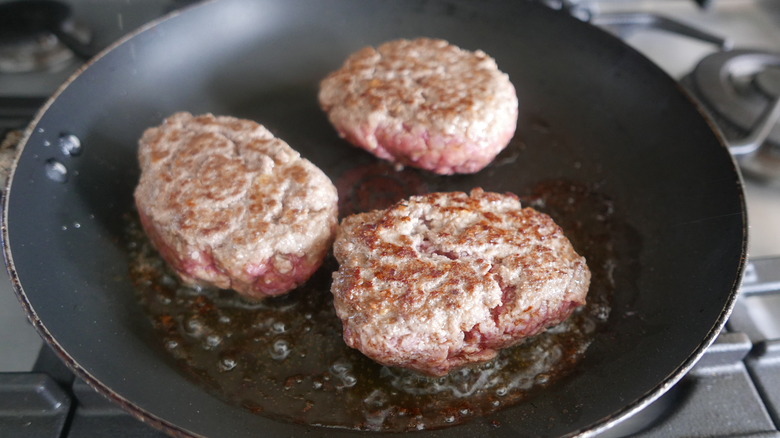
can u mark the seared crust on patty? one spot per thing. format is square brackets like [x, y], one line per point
[228, 204]
[446, 279]
[424, 103]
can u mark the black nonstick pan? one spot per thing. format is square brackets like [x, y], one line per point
[606, 143]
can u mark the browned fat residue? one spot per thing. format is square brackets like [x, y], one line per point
[285, 358]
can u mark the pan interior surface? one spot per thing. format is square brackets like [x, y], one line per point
[593, 113]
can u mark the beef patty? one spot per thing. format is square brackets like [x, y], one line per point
[446, 279]
[423, 103]
[227, 204]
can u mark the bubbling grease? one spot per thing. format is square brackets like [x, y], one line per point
[285, 358]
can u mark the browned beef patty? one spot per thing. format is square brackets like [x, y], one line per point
[446, 279]
[227, 204]
[423, 103]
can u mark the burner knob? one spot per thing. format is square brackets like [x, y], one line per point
[768, 81]
[760, 131]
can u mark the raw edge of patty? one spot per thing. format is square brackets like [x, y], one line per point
[423, 103]
[228, 204]
[442, 280]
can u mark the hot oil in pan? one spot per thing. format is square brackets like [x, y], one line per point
[285, 358]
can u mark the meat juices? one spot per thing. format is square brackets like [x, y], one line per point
[423, 103]
[442, 280]
[227, 204]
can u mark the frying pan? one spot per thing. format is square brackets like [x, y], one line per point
[593, 113]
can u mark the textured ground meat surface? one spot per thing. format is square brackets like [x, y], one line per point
[446, 279]
[423, 103]
[227, 204]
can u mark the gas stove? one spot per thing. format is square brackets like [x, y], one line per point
[726, 53]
